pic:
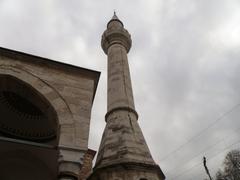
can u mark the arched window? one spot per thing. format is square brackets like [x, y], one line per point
[25, 114]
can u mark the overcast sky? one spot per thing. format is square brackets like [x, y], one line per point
[184, 63]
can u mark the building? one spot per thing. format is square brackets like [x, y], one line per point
[123, 153]
[45, 118]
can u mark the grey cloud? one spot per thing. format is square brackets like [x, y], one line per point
[183, 78]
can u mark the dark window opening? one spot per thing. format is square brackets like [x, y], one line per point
[20, 104]
[25, 113]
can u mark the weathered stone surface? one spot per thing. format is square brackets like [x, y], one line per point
[119, 83]
[69, 90]
[87, 164]
[123, 141]
[128, 171]
[71, 93]
[123, 153]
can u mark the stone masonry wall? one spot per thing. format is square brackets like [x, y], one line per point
[87, 164]
[75, 90]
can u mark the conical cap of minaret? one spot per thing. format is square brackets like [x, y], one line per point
[115, 22]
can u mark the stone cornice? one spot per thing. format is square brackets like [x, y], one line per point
[120, 109]
[116, 36]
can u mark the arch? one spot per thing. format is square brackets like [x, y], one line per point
[63, 112]
[25, 113]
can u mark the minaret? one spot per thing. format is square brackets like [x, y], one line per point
[123, 153]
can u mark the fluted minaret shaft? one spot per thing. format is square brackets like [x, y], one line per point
[119, 82]
[116, 42]
[122, 142]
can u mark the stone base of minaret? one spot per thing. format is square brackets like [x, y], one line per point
[128, 171]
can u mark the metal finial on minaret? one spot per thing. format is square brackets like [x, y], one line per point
[114, 15]
[123, 152]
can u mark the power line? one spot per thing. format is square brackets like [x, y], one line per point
[204, 150]
[201, 132]
[189, 169]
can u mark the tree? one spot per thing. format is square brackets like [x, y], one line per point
[231, 169]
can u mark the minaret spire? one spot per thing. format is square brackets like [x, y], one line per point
[123, 152]
[115, 19]
[114, 15]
